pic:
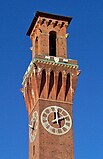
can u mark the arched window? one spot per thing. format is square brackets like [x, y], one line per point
[43, 81]
[36, 45]
[52, 43]
[59, 84]
[51, 83]
[67, 85]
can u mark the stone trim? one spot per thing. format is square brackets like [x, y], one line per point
[48, 61]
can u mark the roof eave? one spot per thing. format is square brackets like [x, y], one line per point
[47, 15]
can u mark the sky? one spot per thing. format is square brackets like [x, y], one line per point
[85, 44]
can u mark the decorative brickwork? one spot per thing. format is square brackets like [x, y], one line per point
[42, 25]
[49, 84]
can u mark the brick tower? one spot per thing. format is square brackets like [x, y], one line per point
[48, 88]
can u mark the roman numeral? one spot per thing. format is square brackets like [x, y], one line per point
[50, 128]
[66, 126]
[44, 118]
[46, 124]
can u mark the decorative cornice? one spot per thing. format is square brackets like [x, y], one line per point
[50, 17]
[49, 60]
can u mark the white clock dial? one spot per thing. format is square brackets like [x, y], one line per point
[56, 120]
[33, 126]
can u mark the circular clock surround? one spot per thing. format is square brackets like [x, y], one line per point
[33, 126]
[56, 120]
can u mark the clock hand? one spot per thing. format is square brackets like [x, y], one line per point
[60, 118]
[63, 117]
[31, 126]
[56, 115]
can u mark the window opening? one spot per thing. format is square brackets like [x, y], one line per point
[52, 43]
[36, 45]
[33, 150]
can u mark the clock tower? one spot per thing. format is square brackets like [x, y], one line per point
[48, 88]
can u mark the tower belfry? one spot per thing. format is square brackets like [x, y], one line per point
[48, 87]
[48, 35]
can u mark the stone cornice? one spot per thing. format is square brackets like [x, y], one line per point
[56, 18]
[57, 61]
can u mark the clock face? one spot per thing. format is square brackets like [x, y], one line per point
[56, 120]
[33, 126]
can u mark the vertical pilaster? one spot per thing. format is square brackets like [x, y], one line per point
[38, 79]
[26, 96]
[64, 76]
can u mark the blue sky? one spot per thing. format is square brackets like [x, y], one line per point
[84, 44]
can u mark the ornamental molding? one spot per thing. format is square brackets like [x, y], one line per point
[49, 60]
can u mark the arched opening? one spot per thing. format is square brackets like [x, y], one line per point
[43, 81]
[51, 82]
[52, 43]
[36, 45]
[67, 85]
[59, 84]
